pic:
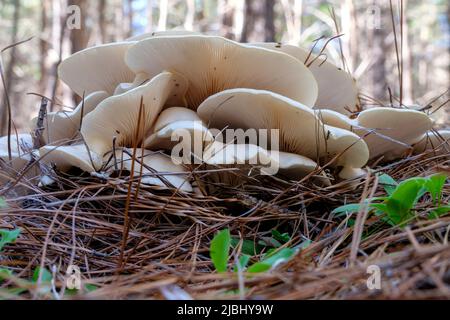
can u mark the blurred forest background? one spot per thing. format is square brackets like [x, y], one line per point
[368, 40]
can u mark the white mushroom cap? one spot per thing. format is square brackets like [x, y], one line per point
[293, 166]
[438, 141]
[117, 116]
[99, 68]
[163, 166]
[21, 145]
[175, 114]
[388, 132]
[337, 88]
[60, 125]
[162, 34]
[300, 130]
[393, 129]
[66, 157]
[139, 79]
[213, 64]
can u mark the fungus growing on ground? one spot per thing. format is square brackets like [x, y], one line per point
[100, 68]
[21, 148]
[152, 168]
[337, 88]
[300, 130]
[117, 117]
[213, 64]
[63, 126]
[438, 141]
[388, 132]
[65, 157]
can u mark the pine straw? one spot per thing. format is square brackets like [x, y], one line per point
[81, 222]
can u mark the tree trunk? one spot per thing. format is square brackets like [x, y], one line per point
[259, 24]
[226, 16]
[408, 96]
[4, 114]
[149, 26]
[162, 21]
[379, 50]
[190, 15]
[102, 26]
[44, 63]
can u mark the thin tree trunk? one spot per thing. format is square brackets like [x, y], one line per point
[269, 29]
[10, 69]
[162, 21]
[408, 95]
[349, 29]
[79, 37]
[102, 5]
[379, 49]
[190, 15]
[44, 63]
[226, 16]
[149, 26]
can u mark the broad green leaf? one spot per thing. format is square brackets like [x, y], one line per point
[434, 185]
[347, 209]
[8, 236]
[248, 247]
[219, 250]
[243, 261]
[437, 213]
[46, 276]
[403, 199]
[272, 260]
[282, 237]
[388, 183]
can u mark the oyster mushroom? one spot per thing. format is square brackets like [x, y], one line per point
[162, 34]
[21, 145]
[100, 68]
[66, 157]
[300, 130]
[337, 88]
[388, 132]
[178, 123]
[156, 168]
[117, 116]
[213, 64]
[60, 126]
[438, 141]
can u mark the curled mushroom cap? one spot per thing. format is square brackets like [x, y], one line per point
[175, 114]
[388, 132]
[60, 125]
[99, 68]
[300, 130]
[156, 168]
[117, 116]
[66, 157]
[21, 145]
[438, 141]
[213, 64]
[293, 166]
[337, 88]
[123, 87]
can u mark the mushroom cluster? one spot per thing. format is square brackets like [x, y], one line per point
[166, 93]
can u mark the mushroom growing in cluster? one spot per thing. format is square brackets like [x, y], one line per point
[163, 94]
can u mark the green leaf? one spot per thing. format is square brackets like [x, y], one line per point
[388, 183]
[243, 261]
[8, 236]
[403, 199]
[5, 274]
[282, 237]
[248, 247]
[46, 276]
[347, 209]
[219, 250]
[437, 213]
[434, 185]
[272, 260]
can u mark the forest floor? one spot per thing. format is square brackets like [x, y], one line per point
[137, 242]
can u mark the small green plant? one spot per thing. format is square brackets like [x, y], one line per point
[2, 203]
[8, 236]
[222, 243]
[397, 207]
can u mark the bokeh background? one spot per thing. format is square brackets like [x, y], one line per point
[366, 26]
